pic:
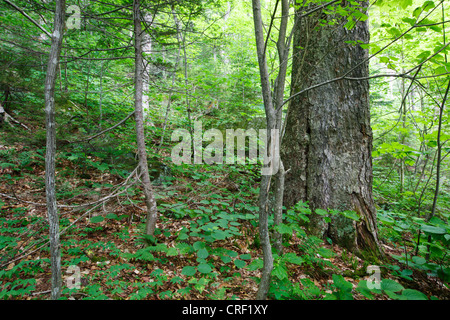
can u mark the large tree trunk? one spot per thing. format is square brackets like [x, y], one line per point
[52, 210]
[152, 211]
[328, 140]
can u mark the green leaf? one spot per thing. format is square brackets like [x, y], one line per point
[341, 283]
[405, 3]
[406, 273]
[410, 21]
[419, 260]
[225, 259]
[202, 253]
[183, 236]
[391, 285]
[199, 245]
[411, 294]
[364, 290]
[6, 165]
[321, 212]
[188, 271]
[424, 55]
[351, 215]
[204, 268]
[255, 265]
[325, 252]
[112, 216]
[432, 230]
[284, 229]
[172, 252]
[393, 295]
[97, 219]
[232, 253]
[220, 234]
[280, 271]
[428, 5]
[239, 263]
[293, 258]
[246, 256]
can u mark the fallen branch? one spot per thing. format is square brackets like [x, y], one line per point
[104, 131]
[9, 117]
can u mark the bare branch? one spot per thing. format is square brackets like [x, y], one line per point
[28, 17]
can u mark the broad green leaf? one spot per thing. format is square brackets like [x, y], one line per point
[199, 245]
[189, 271]
[183, 236]
[341, 283]
[405, 3]
[321, 212]
[284, 229]
[364, 290]
[411, 294]
[424, 55]
[255, 265]
[111, 216]
[202, 253]
[97, 219]
[225, 259]
[6, 165]
[293, 258]
[232, 253]
[432, 230]
[419, 260]
[204, 268]
[393, 295]
[351, 215]
[172, 252]
[406, 273]
[428, 5]
[239, 263]
[325, 252]
[280, 271]
[391, 285]
[384, 59]
[410, 21]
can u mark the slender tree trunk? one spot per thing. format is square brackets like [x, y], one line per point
[147, 49]
[152, 212]
[438, 165]
[100, 100]
[272, 105]
[52, 209]
[169, 102]
[264, 285]
[328, 140]
[182, 45]
[86, 91]
[403, 135]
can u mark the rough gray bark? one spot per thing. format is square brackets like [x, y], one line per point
[152, 211]
[52, 209]
[328, 139]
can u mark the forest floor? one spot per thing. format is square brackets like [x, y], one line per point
[107, 252]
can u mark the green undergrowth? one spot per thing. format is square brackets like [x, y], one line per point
[206, 245]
